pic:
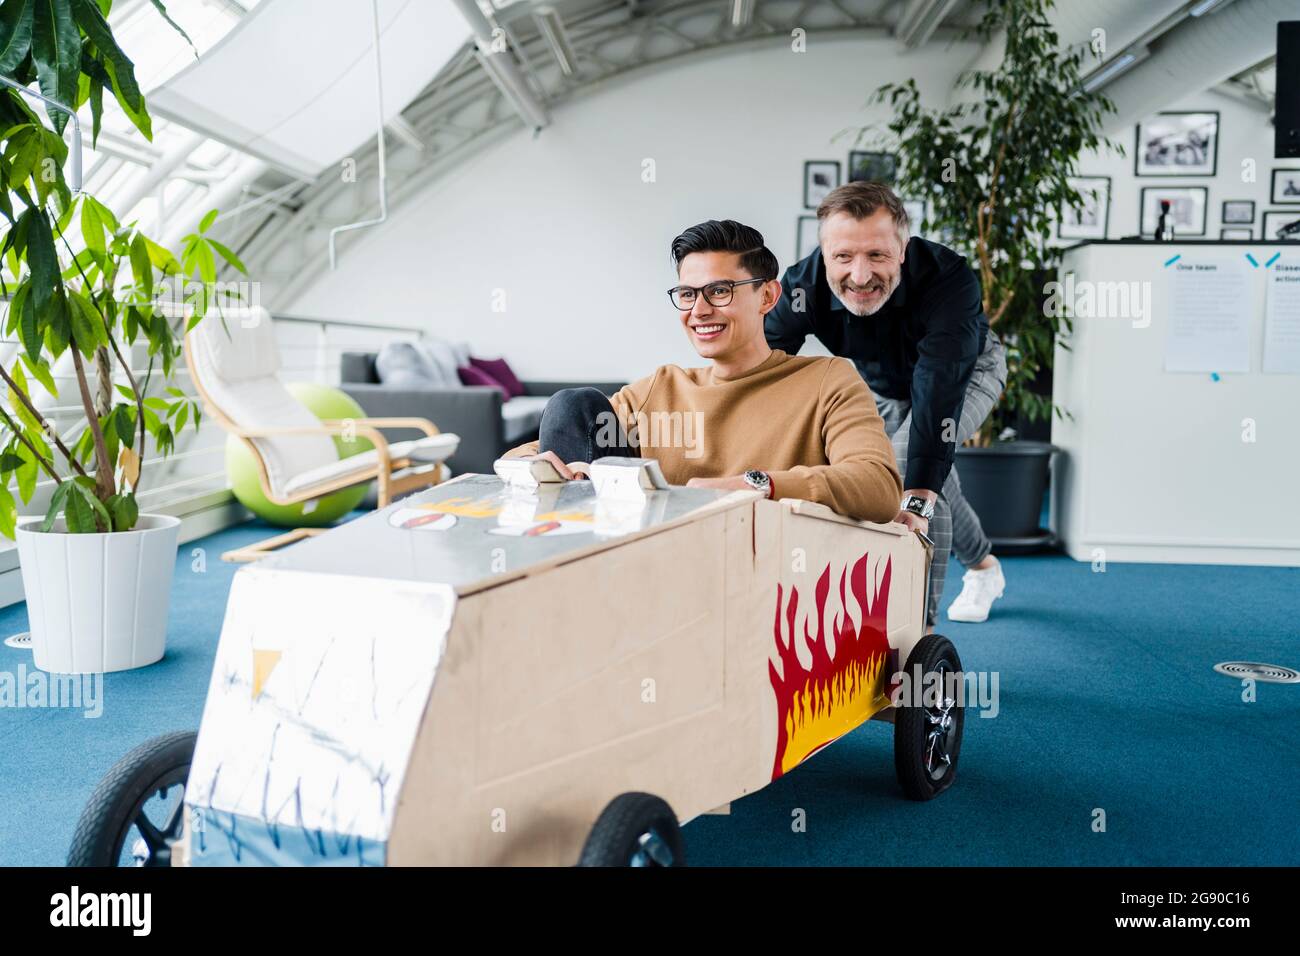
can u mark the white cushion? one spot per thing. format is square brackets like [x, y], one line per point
[442, 357]
[427, 450]
[406, 365]
[236, 365]
[521, 415]
[239, 344]
[461, 351]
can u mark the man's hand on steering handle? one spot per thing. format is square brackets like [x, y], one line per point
[567, 473]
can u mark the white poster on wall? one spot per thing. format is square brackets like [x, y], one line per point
[1282, 320]
[1210, 305]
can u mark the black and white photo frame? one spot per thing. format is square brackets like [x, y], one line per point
[1237, 233]
[867, 166]
[1276, 219]
[820, 176]
[1092, 219]
[1177, 144]
[806, 238]
[1285, 187]
[1238, 212]
[1187, 207]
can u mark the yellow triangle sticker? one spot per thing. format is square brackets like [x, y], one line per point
[263, 663]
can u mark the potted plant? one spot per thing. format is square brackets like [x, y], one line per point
[995, 171]
[97, 572]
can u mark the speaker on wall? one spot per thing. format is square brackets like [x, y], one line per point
[1286, 121]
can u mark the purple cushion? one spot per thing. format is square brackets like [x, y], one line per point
[474, 376]
[501, 372]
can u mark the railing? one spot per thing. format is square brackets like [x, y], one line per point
[310, 350]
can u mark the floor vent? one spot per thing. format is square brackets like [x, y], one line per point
[1272, 673]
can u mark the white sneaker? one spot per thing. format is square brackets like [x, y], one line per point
[978, 592]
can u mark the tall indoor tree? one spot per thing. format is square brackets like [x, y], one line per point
[995, 171]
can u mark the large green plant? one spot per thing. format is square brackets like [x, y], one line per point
[995, 171]
[94, 302]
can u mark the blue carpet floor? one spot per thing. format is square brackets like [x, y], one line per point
[1107, 702]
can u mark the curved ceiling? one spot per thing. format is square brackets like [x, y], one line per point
[526, 62]
[465, 109]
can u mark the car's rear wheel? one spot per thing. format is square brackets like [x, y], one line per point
[636, 829]
[928, 722]
[137, 810]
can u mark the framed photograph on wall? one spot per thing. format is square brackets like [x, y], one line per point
[1091, 219]
[805, 237]
[1177, 144]
[875, 167]
[820, 176]
[1286, 186]
[1276, 219]
[1238, 211]
[1237, 232]
[1186, 208]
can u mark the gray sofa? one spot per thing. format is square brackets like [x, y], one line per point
[487, 425]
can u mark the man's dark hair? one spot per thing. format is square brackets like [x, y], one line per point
[727, 235]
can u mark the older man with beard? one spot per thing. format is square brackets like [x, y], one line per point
[908, 313]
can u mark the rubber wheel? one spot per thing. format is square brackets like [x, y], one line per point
[927, 740]
[636, 829]
[121, 803]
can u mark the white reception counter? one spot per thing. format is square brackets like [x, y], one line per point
[1179, 446]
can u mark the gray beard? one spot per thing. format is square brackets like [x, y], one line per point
[863, 313]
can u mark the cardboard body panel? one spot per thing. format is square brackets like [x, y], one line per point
[654, 667]
[312, 709]
[696, 648]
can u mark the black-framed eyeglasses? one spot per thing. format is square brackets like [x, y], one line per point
[717, 294]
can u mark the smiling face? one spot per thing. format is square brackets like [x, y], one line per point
[864, 259]
[733, 333]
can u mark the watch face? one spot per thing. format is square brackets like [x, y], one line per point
[918, 506]
[757, 479]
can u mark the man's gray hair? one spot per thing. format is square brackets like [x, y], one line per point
[861, 200]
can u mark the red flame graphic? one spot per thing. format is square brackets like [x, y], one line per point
[805, 696]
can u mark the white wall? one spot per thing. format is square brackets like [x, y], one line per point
[564, 225]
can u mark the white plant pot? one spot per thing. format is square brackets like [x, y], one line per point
[98, 602]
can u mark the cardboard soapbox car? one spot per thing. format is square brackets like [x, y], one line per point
[515, 670]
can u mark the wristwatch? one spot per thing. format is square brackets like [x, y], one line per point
[759, 481]
[918, 506]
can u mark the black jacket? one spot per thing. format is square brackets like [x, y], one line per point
[921, 345]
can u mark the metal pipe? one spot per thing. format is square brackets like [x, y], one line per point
[272, 197]
[502, 68]
[383, 164]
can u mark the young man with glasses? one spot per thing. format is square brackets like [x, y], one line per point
[789, 426]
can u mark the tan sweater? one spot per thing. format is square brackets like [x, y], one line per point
[809, 422]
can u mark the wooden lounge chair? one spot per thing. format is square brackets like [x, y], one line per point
[234, 365]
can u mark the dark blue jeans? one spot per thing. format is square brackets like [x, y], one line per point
[579, 424]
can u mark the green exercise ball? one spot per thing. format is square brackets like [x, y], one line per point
[241, 467]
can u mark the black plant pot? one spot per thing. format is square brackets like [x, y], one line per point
[1005, 483]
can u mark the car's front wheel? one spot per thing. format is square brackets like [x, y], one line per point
[636, 829]
[928, 722]
[137, 810]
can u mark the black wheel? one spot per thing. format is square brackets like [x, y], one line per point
[636, 829]
[138, 807]
[928, 723]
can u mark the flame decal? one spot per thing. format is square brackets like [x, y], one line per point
[817, 704]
